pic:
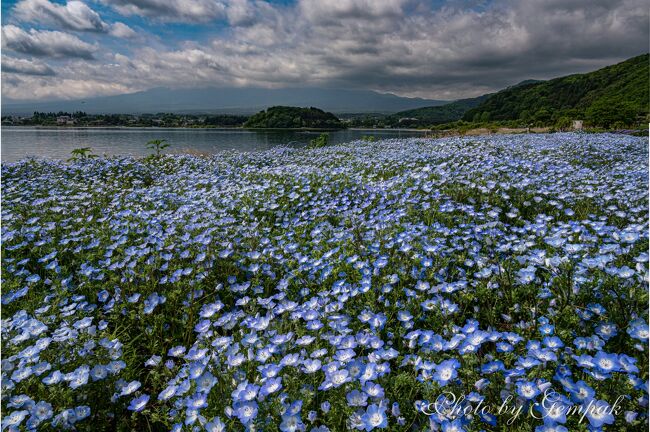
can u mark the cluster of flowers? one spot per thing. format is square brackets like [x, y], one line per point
[348, 287]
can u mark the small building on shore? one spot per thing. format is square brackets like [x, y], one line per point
[64, 120]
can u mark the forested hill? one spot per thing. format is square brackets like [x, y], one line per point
[432, 115]
[294, 117]
[614, 94]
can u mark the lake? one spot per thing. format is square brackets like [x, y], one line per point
[57, 143]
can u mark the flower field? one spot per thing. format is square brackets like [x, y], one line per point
[402, 285]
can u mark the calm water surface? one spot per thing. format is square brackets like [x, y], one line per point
[20, 142]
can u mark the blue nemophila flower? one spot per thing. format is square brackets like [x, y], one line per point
[504, 347]
[581, 392]
[374, 417]
[639, 330]
[551, 428]
[153, 361]
[215, 425]
[152, 302]
[14, 419]
[336, 379]
[245, 392]
[606, 363]
[598, 412]
[139, 403]
[246, 411]
[630, 416]
[42, 411]
[373, 390]
[98, 372]
[356, 398]
[270, 386]
[167, 393]
[291, 423]
[177, 351]
[197, 401]
[493, 366]
[78, 377]
[452, 426]
[446, 371]
[311, 366]
[554, 408]
[21, 373]
[81, 412]
[547, 329]
[205, 382]
[527, 389]
[129, 388]
[325, 407]
[553, 342]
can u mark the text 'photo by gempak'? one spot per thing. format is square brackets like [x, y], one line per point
[319, 215]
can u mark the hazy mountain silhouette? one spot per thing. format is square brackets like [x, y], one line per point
[232, 100]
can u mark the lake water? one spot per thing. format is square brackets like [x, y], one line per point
[20, 142]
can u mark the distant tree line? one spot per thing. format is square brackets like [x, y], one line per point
[82, 119]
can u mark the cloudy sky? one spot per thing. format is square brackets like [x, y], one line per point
[436, 49]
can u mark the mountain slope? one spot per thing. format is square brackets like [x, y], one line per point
[231, 100]
[441, 114]
[615, 93]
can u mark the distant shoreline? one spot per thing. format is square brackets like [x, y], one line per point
[428, 133]
[209, 128]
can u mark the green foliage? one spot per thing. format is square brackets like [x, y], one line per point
[617, 94]
[158, 145]
[82, 153]
[563, 123]
[294, 117]
[608, 113]
[433, 115]
[368, 138]
[542, 116]
[321, 141]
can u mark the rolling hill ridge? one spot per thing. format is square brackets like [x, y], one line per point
[617, 93]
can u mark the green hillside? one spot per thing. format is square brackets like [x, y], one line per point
[294, 117]
[440, 114]
[444, 113]
[617, 94]
[437, 114]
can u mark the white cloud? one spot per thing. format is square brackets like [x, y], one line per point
[74, 15]
[240, 13]
[44, 43]
[324, 11]
[122, 30]
[170, 10]
[50, 88]
[25, 67]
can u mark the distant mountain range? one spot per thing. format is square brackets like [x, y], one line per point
[226, 100]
